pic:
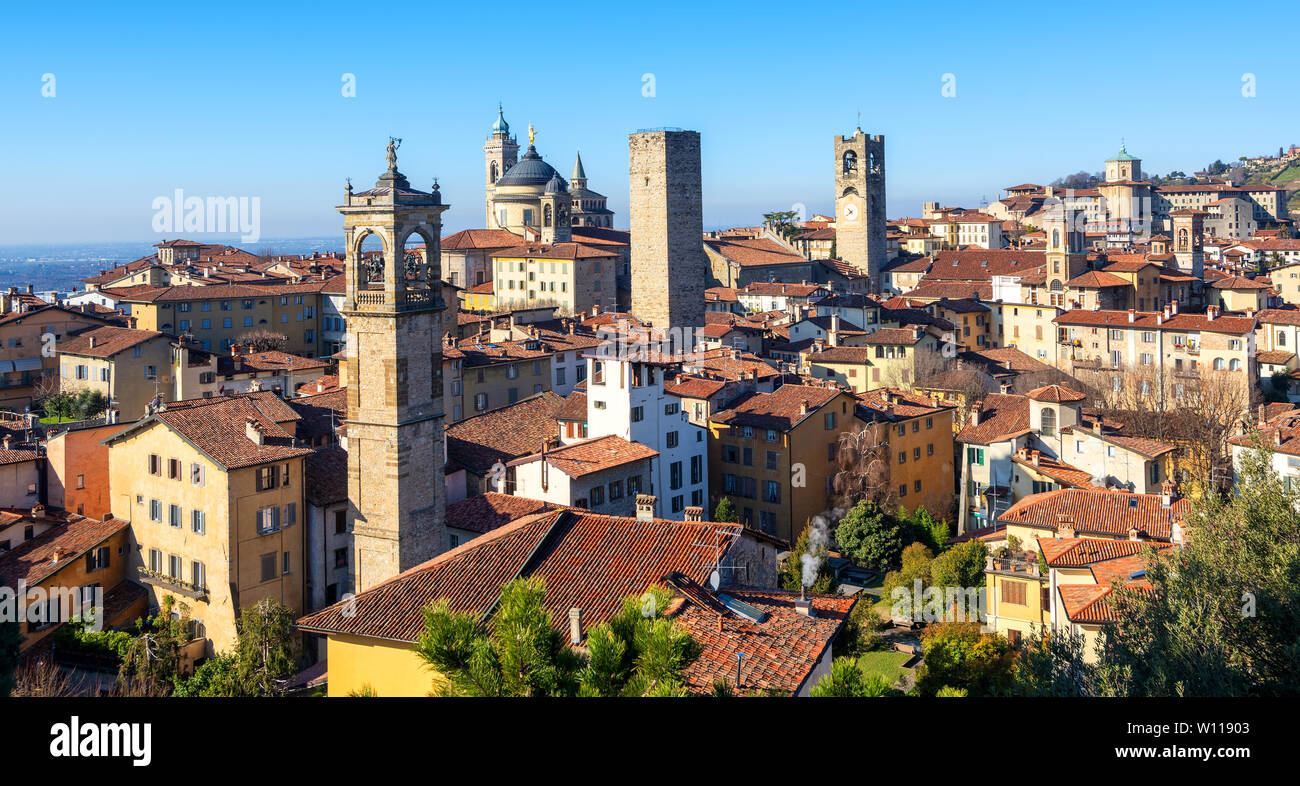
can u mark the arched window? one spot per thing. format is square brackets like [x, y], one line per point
[1182, 239]
[1281, 339]
[546, 215]
[850, 162]
[496, 172]
[1047, 422]
[1056, 238]
[1234, 365]
[875, 165]
[1218, 364]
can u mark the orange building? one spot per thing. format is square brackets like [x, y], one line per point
[77, 475]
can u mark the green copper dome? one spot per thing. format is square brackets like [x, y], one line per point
[1123, 155]
[500, 126]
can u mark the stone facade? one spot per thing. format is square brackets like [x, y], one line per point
[395, 403]
[669, 269]
[860, 203]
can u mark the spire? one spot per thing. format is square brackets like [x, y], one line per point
[500, 126]
[578, 172]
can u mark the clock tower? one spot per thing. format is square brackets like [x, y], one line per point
[860, 203]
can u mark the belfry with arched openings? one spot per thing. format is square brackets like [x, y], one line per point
[393, 307]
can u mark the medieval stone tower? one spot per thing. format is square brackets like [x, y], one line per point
[860, 203]
[500, 152]
[1188, 228]
[669, 269]
[393, 306]
[1066, 255]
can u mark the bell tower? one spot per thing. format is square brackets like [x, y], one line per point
[393, 306]
[1066, 255]
[500, 152]
[860, 203]
[555, 212]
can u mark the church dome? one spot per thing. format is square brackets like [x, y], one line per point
[500, 126]
[555, 185]
[530, 171]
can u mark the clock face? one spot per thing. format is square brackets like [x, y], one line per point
[851, 212]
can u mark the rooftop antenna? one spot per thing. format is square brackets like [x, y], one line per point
[716, 567]
[740, 656]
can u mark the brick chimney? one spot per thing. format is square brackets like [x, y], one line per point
[1064, 526]
[694, 513]
[575, 626]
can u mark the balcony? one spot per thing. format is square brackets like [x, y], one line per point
[406, 300]
[1015, 564]
[178, 586]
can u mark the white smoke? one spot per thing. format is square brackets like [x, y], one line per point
[819, 536]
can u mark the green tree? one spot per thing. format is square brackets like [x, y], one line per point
[638, 652]
[959, 655]
[1052, 664]
[869, 537]
[846, 680]
[921, 527]
[726, 512]
[791, 575]
[960, 566]
[519, 654]
[11, 639]
[267, 647]
[950, 692]
[151, 664]
[217, 676]
[916, 561]
[1222, 617]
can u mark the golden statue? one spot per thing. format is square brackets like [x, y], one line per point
[531, 133]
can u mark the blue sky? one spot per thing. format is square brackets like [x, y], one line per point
[224, 99]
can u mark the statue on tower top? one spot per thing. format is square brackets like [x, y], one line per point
[531, 133]
[393, 144]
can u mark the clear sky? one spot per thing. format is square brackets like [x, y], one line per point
[230, 99]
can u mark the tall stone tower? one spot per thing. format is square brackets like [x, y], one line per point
[1066, 255]
[500, 152]
[1189, 240]
[860, 203]
[393, 306]
[669, 268]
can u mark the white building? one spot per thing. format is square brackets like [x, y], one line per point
[626, 398]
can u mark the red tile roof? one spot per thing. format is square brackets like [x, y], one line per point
[504, 433]
[757, 252]
[591, 455]
[589, 561]
[1150, 320]
[35, 560]
[488, 511]
[1098, 511]
[1001, 416]
[781, 410]
[107, 341]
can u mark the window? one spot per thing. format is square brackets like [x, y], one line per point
[1047, 422]
[174, 566]
[173, 469]
[1013, 592]
[155, 511]
[196, 474]
[286, 563]
[830, 420]
[633, 485]
[268, 566]
[81, 481]
[638, 414]
[97, 559]
[155, 464]
[772, 491]
[340, 522]
[291, 514]
[268, 520]
[155, 560]
[675, 475]
[615, 490]
[697, 469]
[772, 458]
[267, 478]
[198, 574]
[480, 401]
[598, 495]
[975, 456]
[672, 439]
[174, 515]
[198, 521]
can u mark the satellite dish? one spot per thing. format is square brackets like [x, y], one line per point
[715, 579]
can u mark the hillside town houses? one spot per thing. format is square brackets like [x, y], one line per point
[423, 416]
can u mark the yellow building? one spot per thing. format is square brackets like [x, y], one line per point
[25, 363]
[774, 455]
[213, 489]
[129, 367]
[891, 357]
[480, 297]
[217, 316]
[917, 432]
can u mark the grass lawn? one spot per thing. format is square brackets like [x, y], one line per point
[57, 419]
[887, 663]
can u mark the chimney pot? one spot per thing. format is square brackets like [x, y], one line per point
[575, 626]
